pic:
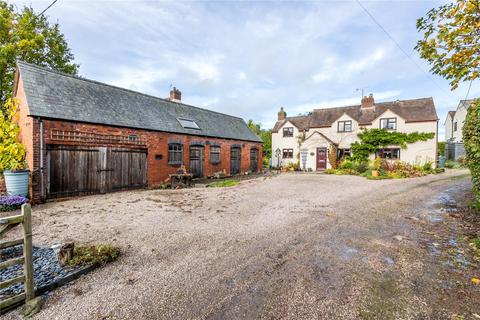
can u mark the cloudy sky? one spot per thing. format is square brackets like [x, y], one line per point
[249, 58]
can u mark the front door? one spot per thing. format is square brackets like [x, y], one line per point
[196, 161]
[235, 158]
[254, 160]
[321, 158]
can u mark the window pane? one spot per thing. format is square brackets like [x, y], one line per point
[348, 125]
[215, 154]
[175, 153]
[188, 123]
[288, 132]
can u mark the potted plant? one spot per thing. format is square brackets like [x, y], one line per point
[376, 167]
[12, 152]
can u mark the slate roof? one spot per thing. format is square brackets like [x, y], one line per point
[52, 94]
[414, 110]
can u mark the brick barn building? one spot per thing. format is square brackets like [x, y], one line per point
[86, 137]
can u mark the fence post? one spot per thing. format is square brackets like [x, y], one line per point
[27, 252]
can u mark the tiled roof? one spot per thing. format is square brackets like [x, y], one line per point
[52, 94]
[414, 110]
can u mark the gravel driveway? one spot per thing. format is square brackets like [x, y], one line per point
[294, 246]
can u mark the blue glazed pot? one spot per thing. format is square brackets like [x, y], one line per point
[17, 182]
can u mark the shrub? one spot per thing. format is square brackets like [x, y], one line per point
[12, 152]
[9, 203]
[441, 148]
[293, 166]
[427, 166]
[329, 171]
[346, 171]
[471, 140]
[346, 164]
[361, 167]
[452, 164]
[462, 161]
[377, 164]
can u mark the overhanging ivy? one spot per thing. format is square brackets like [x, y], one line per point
[372, 139]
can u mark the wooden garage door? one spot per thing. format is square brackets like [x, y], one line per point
[73, 170]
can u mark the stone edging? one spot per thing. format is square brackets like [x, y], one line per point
[57, 283]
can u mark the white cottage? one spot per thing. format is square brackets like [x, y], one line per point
[453, 130]
[312, 135]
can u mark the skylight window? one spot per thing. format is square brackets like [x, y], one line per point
[188, 123]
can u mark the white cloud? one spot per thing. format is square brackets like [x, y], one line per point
[250, 58]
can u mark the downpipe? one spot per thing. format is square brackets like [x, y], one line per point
[42, 187]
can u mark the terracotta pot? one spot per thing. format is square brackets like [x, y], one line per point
[374, 173]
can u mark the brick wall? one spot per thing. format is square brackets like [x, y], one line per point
[156, 144]
[3, 189]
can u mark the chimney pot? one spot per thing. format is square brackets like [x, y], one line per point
[282, 114]
[368, 102]
[175, 94]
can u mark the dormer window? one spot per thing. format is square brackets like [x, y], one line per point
[388, 123]
[344, 126]
[188, 123]
[288, 132]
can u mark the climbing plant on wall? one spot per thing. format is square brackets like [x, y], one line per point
[372, 139]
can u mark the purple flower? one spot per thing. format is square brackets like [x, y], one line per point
[11, 202]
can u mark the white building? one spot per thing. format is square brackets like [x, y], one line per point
[454, 147]
[314, 134]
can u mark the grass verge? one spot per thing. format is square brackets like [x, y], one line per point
[223, 183]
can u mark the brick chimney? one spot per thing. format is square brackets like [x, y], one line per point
[282, 114]
[175, 95]
[368, 102]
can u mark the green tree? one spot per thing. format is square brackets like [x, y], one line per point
[471, 140]
[451, 40]
[265, 135]
[31, 38]
[12, 152]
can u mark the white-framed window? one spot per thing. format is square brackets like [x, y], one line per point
[388, 153]
[388, 123]
[344, 126]
[288, 132]
[287, 153]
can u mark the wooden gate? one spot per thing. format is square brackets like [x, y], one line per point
[254, 160]
[74, 170]
[235, 157]
[7, 223]
[196, 161]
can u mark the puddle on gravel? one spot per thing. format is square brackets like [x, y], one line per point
[347, 253]
[389, 261]
[440, 205]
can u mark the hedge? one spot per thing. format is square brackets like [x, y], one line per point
[471, 140]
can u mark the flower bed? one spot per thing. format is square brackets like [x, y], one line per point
[9, 203]
[383, 169]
